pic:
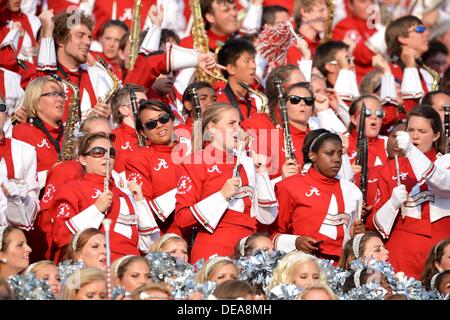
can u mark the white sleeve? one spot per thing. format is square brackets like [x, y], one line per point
[184, 78]
[346, 171]
[47, 55]
[388, 92]
[346, 86]
[252, 20]
[411, 87]
[151, 40]
[376, 42]
[305, 67]
[384, 219]
[146, 221]
[11, 39]
[90, 217]
[267, 209]
[146, 241]
[209, 211]
[164, 205]
[285, 242]
[329, 120]
[87, 7]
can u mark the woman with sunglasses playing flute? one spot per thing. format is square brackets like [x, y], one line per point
[153, 166]
[84, 203]
[423, 192]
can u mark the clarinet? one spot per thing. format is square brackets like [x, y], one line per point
[106, 179]
[362, 155]
[134, 107]
[288, 146]
[196, 103]
[446, 126]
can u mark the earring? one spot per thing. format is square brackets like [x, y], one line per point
[4, 260]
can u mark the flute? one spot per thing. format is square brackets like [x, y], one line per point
[446, 126]
[107, 173]
[106, 225]
[397, 172]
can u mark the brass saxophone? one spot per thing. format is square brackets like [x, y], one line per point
[134, 34]
[435, 75]
[201, 42]
[72, 123]
[116, 81]
[262, 96]
[329, 24]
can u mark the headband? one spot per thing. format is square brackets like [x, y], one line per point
[2, 229]
[30, 267]
[75, 241]
[213, 261]
[433, 281]
[357, 278]
[242, 244]
[166, 237]
[436, 248]
[317, 139]
[120, 261]
[356, 242]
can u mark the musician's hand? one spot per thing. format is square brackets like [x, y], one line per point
[357, 227]
[366, 210]
[303, 47]
[102, 109]
[350, 42]
[306, 244]
[104, 201]
[206, 62]
[136, 190]
[332, 98]
[156, 16]
[260, 162]
[408, 56]
[230, 187]
[404, 142]
[380, 63]
[345, 143]
[289, 168]
[18, 25]
[21, 115]
[321, 102]
[47, 24]
[399, 196]
[356, 168]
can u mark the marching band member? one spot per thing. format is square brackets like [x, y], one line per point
[154, 166]
[13, 94]
[44, 102]
[227, 203]
[19, 188]
[422, 197]
[318, 212]
[84, 203]
[14, 251]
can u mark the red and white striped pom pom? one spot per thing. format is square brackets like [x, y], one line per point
[274, 41]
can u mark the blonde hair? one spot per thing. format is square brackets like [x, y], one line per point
[33, 94]
[284, 272]
[79, 279]
[317, 286]
[35, 267]
[163, 242]
[163, 287]
[210, 267]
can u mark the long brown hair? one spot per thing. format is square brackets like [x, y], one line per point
[435, 255]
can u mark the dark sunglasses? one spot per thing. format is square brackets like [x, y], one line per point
[99, 152]
[163, 119]
[378, 113]
[419, 29]
[3, 107]
[309, 101]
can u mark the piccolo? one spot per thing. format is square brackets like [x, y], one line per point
[106, 225]
[397, 172]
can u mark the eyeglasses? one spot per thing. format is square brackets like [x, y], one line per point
[350, 60]
[378, 113]
[99, 152]
[55, 94]
[3, 107]
[418, 29]
[309, 101]
[151, 124]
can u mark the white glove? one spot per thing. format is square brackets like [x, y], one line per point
[17, 189]
[404, 142]
[399, 196]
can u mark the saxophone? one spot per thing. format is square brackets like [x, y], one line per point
[201, 43]
[134, 34]
[72, 123]
[435, 75]
[258, 93]
[116, 81]
[329, 23]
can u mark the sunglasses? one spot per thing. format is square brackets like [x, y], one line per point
[55, 94]
[309, 101]
[378, 113]
[163, 119]
[418, 29]
[99, 152]
[3, 107]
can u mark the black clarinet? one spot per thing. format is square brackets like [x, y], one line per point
[288, 146]
[135, 109]
[362, 153]
[446, 126]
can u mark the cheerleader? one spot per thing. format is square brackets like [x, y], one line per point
[172, 244]
[224, 200]
[438, 261]
[46, 270]
[131, 272]
[217, 269]
[315, 216]
[317, 292]
[249, 245]
[85, 284]
[366, 276]
[14, 251]
[154, 167]
[84, 203]
[422, 197]
[44, 102]
[89, 247]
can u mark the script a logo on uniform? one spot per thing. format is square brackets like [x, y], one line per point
[184, 185]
